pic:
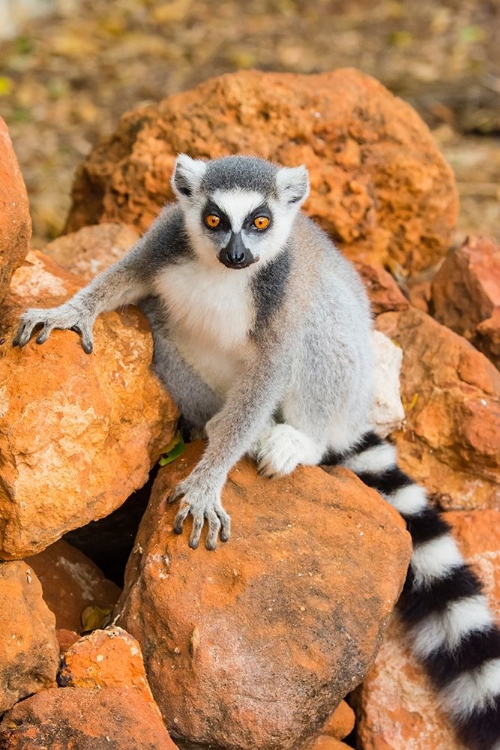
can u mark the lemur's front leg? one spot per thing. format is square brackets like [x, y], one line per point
[249, 406]
[122, 284]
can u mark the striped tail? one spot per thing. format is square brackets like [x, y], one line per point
[453, 632]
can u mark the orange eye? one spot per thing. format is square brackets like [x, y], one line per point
[261, 222]
[212, 221]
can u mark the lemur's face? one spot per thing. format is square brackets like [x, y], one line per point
[238, 210]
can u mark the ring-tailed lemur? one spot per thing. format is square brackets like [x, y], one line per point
[262, 334]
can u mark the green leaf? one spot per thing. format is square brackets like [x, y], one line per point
[173, 450]
[5, 85]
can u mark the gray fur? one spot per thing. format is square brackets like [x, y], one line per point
[274, 358]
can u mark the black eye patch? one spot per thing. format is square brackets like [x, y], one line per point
[212, 209]
[262, 211]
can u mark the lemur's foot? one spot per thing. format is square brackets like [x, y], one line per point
[204, 504]
[67, 316]
[280, 450]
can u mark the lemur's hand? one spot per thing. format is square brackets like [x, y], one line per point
[203, 502]
[69, 315]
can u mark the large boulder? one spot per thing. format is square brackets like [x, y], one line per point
[251, 647]
[379, 183]
[397, 704]
[29, 652]
[84, 719]
[466, 294]
[450, 441]
[15, 221]
[71, 582]
[78, 433]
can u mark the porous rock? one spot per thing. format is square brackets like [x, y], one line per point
[450, 441]
[84, 719]
[29, 652]
[78, 433]
[71, 582]
[15, 221]
[397, 705]
[106, 658]
[253, 646]
[378, 182]
[91, 250]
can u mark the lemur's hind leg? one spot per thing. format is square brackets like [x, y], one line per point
[283, 447]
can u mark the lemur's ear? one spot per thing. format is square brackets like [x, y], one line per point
[293, 184]
[187, 175]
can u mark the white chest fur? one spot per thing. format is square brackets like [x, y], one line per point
[211, 313]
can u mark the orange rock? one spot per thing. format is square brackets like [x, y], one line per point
[70, 582]
[466, 289]
[487, 337]
[92, 249]
[29, 652]
[66, 638]
[397, 705]
[341, 722]
[382, 289]
[251, 645]
[15, 221]
[78, 433]
[324, 742]
[379, 183]
[59, 719]
[450, 442]
[106, 658]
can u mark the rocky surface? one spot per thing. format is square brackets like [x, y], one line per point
[466, 294]
[336, 727]
[451, 438]
[92, 249]
[379, 184]
[15, 221]
[397, 706]
[29, 652]
[382, 289]
[71, 582]
[78, 433]
[107, 719]
[106, 658]
[251, 646]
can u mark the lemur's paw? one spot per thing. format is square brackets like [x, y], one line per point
[67, 316]
[203, 504]
[282, 449]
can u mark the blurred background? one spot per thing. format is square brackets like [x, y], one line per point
[70, 68]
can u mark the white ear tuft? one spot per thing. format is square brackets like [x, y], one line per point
[187, 175]
[293, 184]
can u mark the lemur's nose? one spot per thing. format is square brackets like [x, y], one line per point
[235, 254]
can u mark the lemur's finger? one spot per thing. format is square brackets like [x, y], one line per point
[180, 518]
[225, 520]
[24, 335]
[176, 493]
[214, 526]
[44, 334]
[87, 339]
[198, 521]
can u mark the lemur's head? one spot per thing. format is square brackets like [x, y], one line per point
[238, 209]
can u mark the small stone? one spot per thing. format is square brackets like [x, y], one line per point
[107, 719]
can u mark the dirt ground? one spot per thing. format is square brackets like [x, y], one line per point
[67, 79]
